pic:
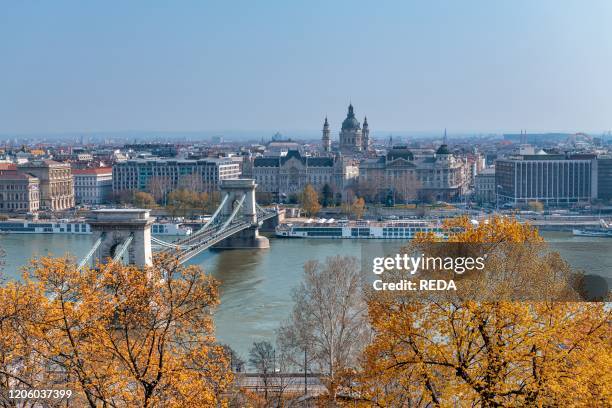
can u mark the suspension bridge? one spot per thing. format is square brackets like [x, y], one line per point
[126, 233]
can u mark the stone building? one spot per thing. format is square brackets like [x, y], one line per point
[438, 176]
[93, 186]
[19, 193]
[484, 186]
[56, 183]
[286, 175]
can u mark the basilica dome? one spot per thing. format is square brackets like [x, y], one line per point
[350, 123]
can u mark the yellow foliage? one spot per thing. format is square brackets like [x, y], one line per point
[116, 335]
[309, 199]
[463, 353]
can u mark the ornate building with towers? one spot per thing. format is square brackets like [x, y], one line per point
[353, 138]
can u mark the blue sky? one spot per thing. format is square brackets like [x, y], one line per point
[283, 65]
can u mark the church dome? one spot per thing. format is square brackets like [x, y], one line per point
[443, 150]
[351, 122]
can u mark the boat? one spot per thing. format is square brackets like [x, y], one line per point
[80, 227]
[44, 227]
[170, 228]
[603, 231]
[593, 232]
[360, 229]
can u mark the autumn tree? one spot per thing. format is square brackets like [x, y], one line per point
[182, 202]
[328, 321]
[144, 200]
[358, 207]
[116, 335]
[456, 351]
[535, 206]
[309, 200]
[20, 366]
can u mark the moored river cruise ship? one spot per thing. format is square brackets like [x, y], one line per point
[76, 227]
[343, 229]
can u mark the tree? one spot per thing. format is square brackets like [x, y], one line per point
[309, 200]
[358, 207]
[159, 187]
[236, 361]
[327, 195]
[370, 188]
[192, 182]
[182, 202]
[457, 351]
[405, 187]
[264, 197]
[115, 335]
[144, 200]
[490, 354]
[20, 365]
[123, 196]
[261, 358]
[328, 319]
[536, 206]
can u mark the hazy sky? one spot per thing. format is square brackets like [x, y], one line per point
[283, 65]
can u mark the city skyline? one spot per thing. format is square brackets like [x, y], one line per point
[471, 67]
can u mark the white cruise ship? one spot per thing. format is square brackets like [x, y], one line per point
[76, 227]
[603, 231]
[343, 229]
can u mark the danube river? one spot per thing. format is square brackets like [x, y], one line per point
[256, 284]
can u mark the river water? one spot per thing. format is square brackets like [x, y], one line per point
[256, 285]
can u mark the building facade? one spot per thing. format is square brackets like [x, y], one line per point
[289, 174]
[93, 186]
[484, 186]
[604, 178]
[19, 193]
[552, 179]
[165, 175]
[404, 176]
[56, 183]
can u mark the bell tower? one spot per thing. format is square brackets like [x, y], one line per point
[326, 140]
[365, 135]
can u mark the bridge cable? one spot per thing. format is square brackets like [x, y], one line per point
[214, 216]
[124, 246]
[236, 209]
[93, 249]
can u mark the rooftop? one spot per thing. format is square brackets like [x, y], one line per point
[16, 175]
[95, 170]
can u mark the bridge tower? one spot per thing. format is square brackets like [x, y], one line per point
[117, 229]
[248, 238]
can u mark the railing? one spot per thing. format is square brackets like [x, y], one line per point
[211, 240]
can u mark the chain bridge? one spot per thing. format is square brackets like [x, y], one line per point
[234, 224]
